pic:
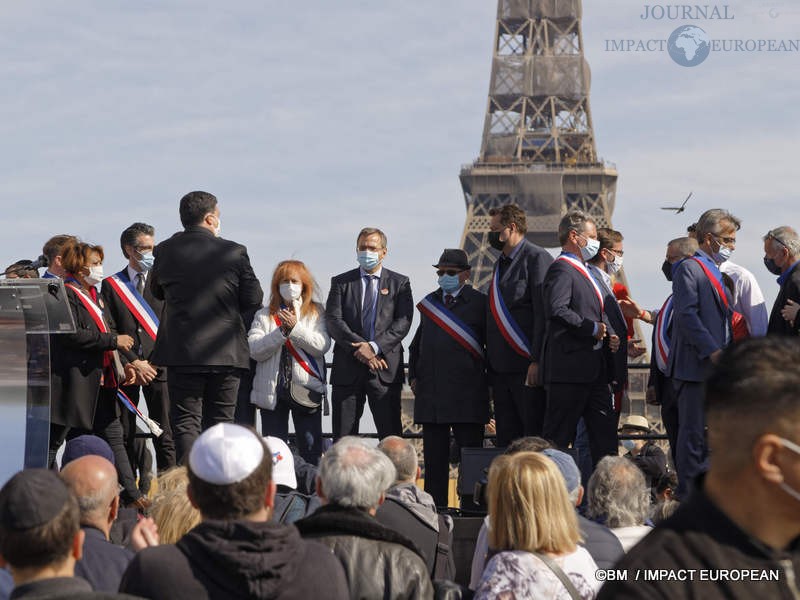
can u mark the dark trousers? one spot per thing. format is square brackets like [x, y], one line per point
[58, 435]
[568, 402]
[108, 425]
[669, 416]
[384, 402]
[200, 400]
[156, 396]
[691, 452]
[436, 447]
[245, 410]
[518, 410]
[307, 427]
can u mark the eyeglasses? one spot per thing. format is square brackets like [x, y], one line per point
[441, 272]
[777, 239]
[617, 252]
[726, 240]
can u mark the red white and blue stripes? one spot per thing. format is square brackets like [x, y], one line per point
[307, 362]
[663, 322]
[585, 272]
[451, 324]
[508, 327]
[154, 427]
[138, 306]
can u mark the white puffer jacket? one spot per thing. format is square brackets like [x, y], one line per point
[266, 340]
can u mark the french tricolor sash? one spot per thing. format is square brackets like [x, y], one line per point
[307, 362]
[452, 325]
[585, 272]
[154, 427]
[508, 327]
[713, 281]
[663, 323]
[94, 311]
[130, 296]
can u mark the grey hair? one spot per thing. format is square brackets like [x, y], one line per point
[574, 220]
[353, 474]
[685, 245]
[369, 231]
[784, 237]
[711, 222]
[618, 493]
[403, 456]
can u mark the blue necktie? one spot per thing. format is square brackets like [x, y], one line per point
[368, 308]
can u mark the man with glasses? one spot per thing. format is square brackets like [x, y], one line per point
[781, 257]
[515, 326]
[738, 534]
[137, 313]
[701, 328]
[447, 369]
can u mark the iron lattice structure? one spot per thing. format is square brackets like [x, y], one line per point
[538, 147]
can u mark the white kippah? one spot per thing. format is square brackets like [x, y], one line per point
[225, 454]
[282, 462]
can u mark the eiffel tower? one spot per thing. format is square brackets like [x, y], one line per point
[538, 148]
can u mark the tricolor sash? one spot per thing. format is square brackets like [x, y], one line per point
[94, 311]
[133, 300]
[452, 325]
[663, 324]
[574, 262]
[154, 427]
[508, 327]
[307, 362]
[713, 281]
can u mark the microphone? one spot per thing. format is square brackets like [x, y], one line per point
[24, 266]
[39, 262]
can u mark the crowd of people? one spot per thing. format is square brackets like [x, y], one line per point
[238, 513]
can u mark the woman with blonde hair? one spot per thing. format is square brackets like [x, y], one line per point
[288, 341]
[172, 511]
[534, 534]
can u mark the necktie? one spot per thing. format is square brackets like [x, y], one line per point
[449, 300]
[140, 283]
[368, 308]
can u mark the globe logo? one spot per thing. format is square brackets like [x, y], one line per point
[689, 45]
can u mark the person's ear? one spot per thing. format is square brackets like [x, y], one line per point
[77, 545]
[419, 472]
[269, 496]
[190, 494]
[382, 499]
[113, 510]
[580, 495]
[766, 458]
[320, 491]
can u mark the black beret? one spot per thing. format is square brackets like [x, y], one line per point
[32, 498]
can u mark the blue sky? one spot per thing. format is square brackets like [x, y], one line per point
[310, 120]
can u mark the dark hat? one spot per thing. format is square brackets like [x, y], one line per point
[453, 257]
[32, 498]
[84, 445]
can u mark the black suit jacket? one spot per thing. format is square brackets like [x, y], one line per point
[76, 365]
[394, 311]
[572, 309]
[451, 383]
[125, 321]
[790, 290]
[207, 284]
[617, 361]
[521, 288]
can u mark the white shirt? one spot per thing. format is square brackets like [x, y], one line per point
[748, 300]
[377, 275]
[132, 273]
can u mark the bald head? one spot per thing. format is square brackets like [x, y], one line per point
[403, 457]
[93, 480]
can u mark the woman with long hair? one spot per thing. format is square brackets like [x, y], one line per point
[534, 534]
[289, 341]
[88, 367]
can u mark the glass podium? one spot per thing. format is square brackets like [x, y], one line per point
[31, 310]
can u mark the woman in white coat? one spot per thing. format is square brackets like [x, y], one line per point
[288, 341]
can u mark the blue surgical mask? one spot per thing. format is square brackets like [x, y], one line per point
[368, 259]
[721, 255]
[629, 444]
[589, 251]
[449, 283]
[146, 261]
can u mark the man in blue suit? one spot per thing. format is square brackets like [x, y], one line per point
[577, 340]
[701, 328]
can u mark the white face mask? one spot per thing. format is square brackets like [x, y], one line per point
[290, 291]
[614, 267]
[218, 228]
[95, 275]
[785, 486]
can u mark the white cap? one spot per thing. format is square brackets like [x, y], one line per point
[225, 454]
[282, 462]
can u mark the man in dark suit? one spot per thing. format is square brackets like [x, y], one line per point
[515, 326]
[574, 357]
[368, 313]
[447, 371]
[208, 285]
[701, 328]
[129, 297]
[782, 257]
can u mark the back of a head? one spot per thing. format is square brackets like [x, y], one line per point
[403, 456]
[54, 245]
[39, 519]
[528, 505]
[85, 445]
[529, 443]
[750, 392]
[353, 474]
[683, 247]
[93, 480]
[171, 510]
[229, 472]
[618, 493]
[196, 205]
